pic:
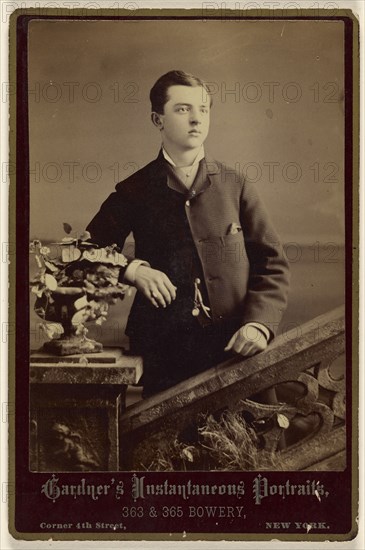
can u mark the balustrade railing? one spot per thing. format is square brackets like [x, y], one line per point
[292, 396]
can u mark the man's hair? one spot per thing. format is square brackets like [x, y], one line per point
[159, 91]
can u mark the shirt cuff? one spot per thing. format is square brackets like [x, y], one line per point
[130, 272]
[265, 331]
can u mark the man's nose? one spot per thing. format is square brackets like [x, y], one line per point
[195, 117]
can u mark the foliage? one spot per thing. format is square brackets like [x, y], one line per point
[175, 456]
[225, 444]
[79, 271]
[233, 445]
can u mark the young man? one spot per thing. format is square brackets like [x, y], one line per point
[210, 274]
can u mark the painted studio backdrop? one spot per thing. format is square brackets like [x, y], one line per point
[277, 117]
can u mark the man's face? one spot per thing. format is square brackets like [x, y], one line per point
[186, 117]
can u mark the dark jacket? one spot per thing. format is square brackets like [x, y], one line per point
[241, 259]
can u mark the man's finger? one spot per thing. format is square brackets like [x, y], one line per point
[254, 348]
[246, 350]
[155, 297]
[153, 301]
[230, 343]
[170, 287]
[240, 345]
[260, 345]
[148, 294]
[165, 293]
[156, 294]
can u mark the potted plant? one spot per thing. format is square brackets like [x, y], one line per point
[75, 283]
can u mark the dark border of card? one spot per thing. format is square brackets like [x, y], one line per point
[24, 482]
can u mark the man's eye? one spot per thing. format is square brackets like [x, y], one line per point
[183, 109]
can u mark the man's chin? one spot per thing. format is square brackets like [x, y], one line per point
[194, 144]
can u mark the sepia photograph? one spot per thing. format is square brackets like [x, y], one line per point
[186, 330]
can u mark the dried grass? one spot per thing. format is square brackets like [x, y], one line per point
[233, 445]
[224, 444]
[175, 456]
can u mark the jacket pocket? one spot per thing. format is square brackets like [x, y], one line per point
[226, 271]
[228, 249]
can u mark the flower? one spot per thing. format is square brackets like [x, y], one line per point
[81, 330]
[85, 236]
[33, 245]
[38, 290]
[82, 271]
[51, 330]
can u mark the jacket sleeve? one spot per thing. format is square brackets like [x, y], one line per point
[268, 283]
[112, 224]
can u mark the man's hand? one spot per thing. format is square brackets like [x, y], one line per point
[155, 285]
[247, 341]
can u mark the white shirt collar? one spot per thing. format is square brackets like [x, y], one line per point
[198, 158]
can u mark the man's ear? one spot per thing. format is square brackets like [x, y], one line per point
[157, 120]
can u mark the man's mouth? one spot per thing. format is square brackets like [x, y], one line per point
[194, 132]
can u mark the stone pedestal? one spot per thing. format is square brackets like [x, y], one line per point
[75, 406]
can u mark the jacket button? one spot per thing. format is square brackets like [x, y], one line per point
[187, 203]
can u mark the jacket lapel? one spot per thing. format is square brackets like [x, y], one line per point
[159, 174]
